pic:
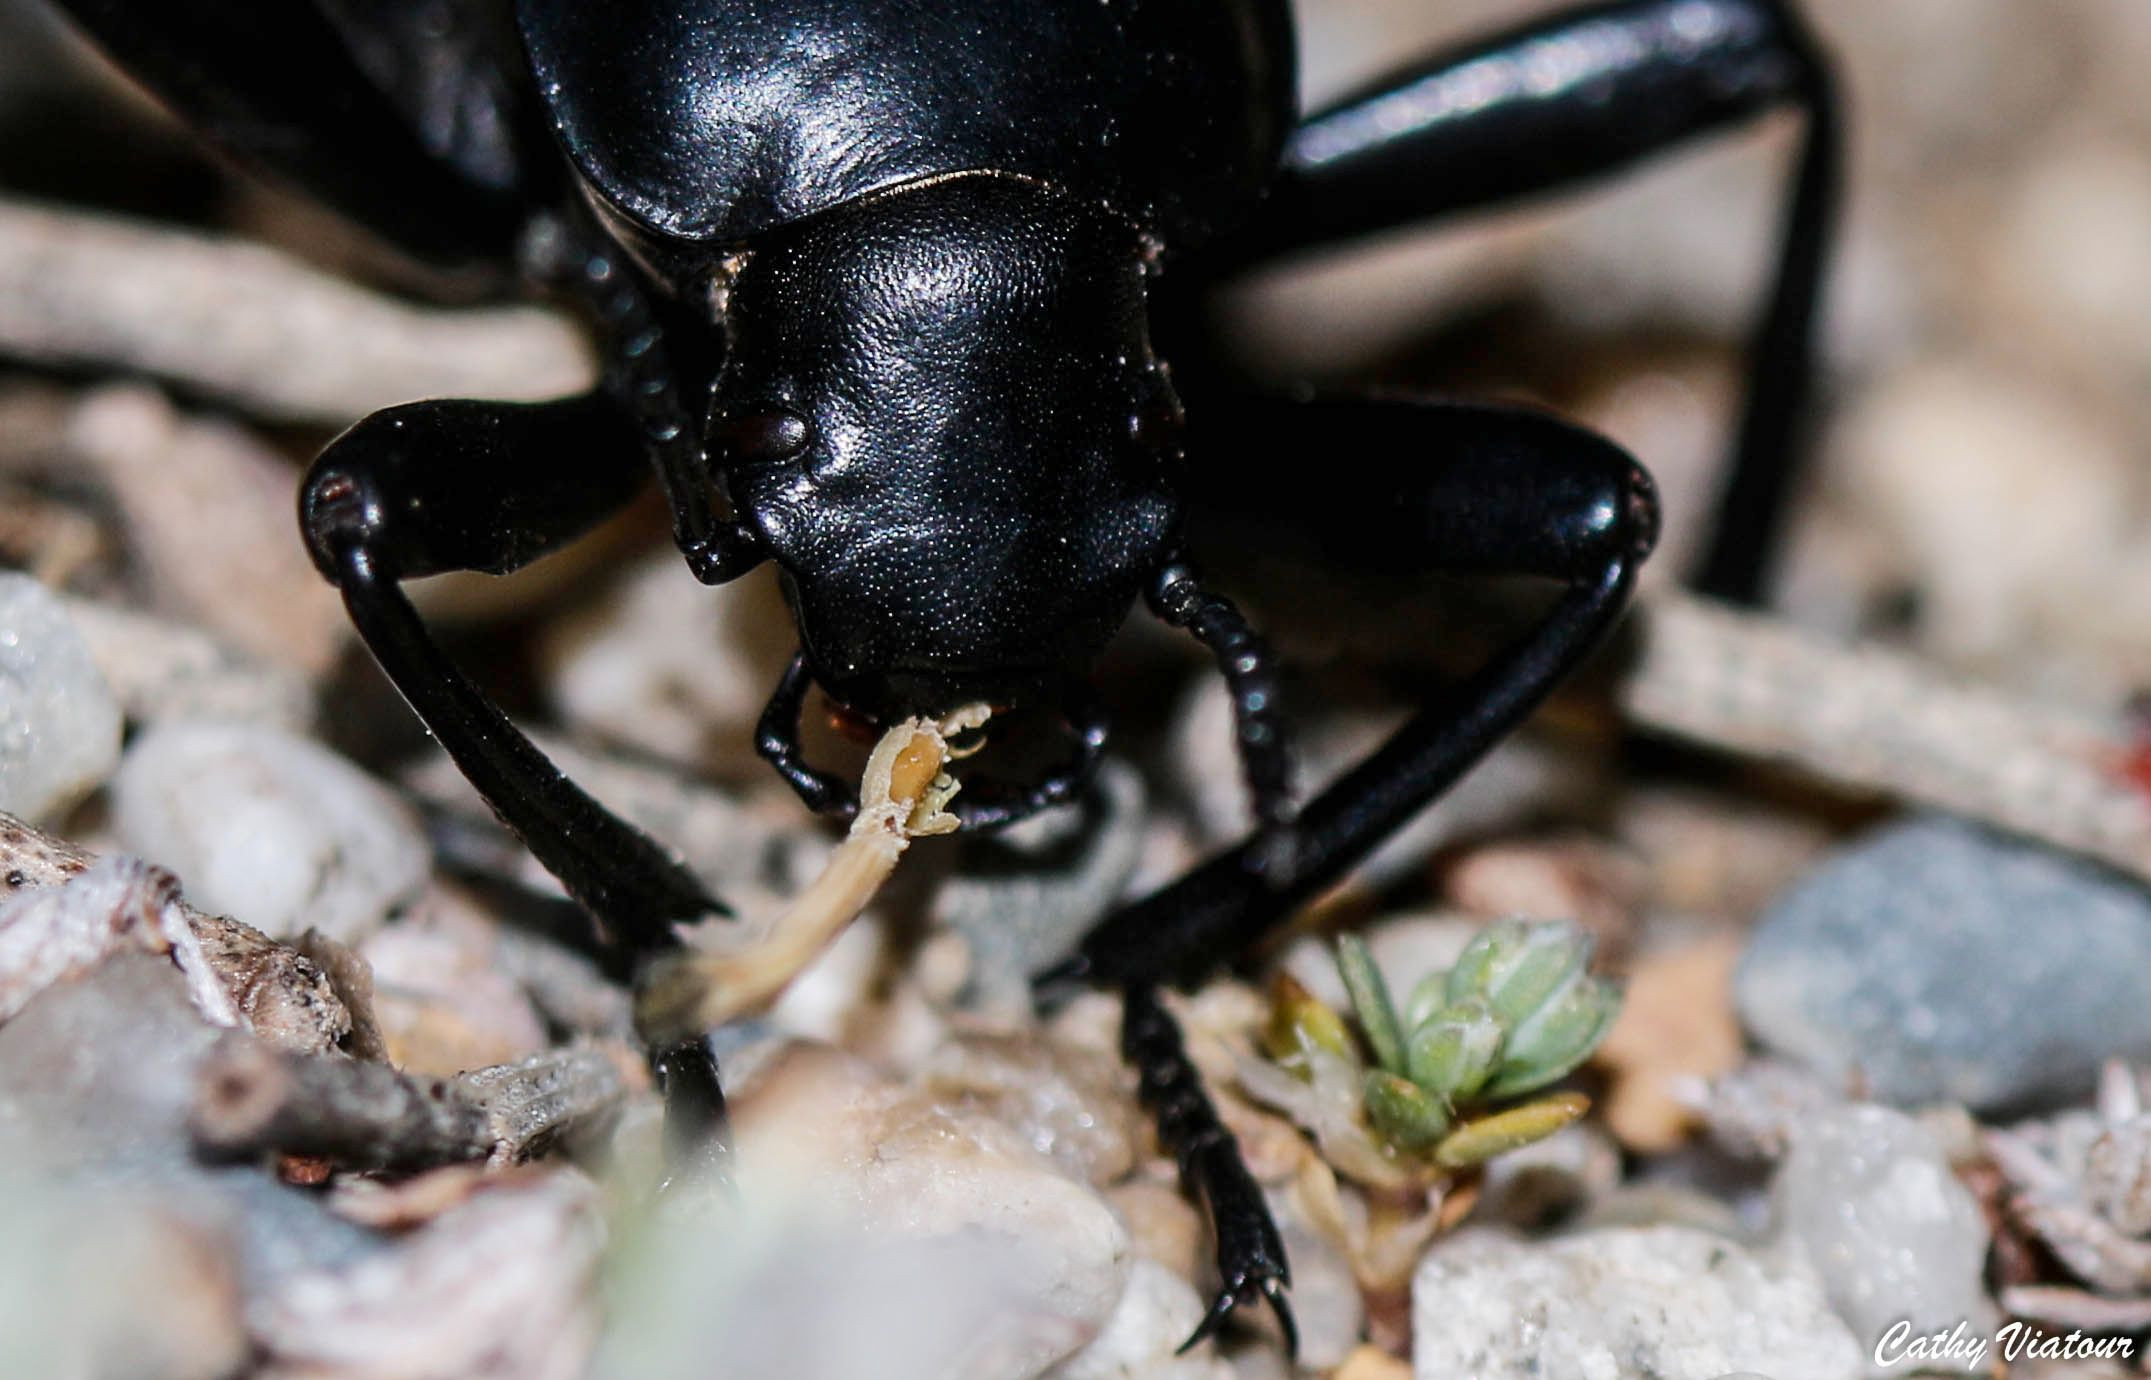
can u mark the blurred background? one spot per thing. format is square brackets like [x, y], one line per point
[1979, 494]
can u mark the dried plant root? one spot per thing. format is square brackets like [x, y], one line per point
[902, 796]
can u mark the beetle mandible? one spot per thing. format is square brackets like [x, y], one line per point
[887, 275]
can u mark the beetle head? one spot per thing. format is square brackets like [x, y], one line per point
[940, 412]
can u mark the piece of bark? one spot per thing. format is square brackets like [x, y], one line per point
[276, 991]
[350, 977]
[51, 934]
[529, 1106]
[252, 1099]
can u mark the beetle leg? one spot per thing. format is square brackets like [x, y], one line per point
[405, 119]
[990, 805]
[1258, 715]
[437, 486]
[1405, 488]
[776, 737]
[641, 372]
[1568, 98]
[1250, 1254]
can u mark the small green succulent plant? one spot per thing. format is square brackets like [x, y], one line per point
[1519, 1010]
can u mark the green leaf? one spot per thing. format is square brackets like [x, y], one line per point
[1525, 975]
[1370, 1002]
[1429, 995]
[1468, 977]
[1476, 1142]
[1453, 1055]
[1402, 1112]
[1557, 1037]
[1300, 1023]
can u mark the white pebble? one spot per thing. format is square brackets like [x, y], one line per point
[1866, 1192]
[1672, 1302]
[1158, 1311]
[59, 724]
[951, 1249]
[270, 829]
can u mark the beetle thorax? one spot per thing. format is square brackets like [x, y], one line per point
[933, 412]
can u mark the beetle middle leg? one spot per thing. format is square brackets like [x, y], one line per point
[438, 486]
[1403, 488]
[1572, 97]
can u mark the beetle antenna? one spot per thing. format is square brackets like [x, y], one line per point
[1178, 598]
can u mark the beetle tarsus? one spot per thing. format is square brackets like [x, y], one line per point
[1250, 1253]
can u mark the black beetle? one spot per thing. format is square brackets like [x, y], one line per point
[886, 274]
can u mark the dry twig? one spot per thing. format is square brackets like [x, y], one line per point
[250, 325]
[1881, 721]
[254, 1100]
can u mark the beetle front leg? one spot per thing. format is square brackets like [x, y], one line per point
[1401, 488]
[439, 486]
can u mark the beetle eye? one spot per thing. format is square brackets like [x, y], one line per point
[759, 435]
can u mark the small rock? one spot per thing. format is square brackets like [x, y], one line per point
[268, 828]
[443, 1005]
[1158, 1311]
[1572, 878]
[1937, 962]
[1027, 895]
[951, 1248]
[104, 1066]
[1162, 1225]
[1069, 1104]
[672, 667]
[99, 1282]
[160, 669]
[59, 724]
[1999, 499]
[207, 509]
[1530, 1187]
[1326, 1300]
[1663, 1301]
[497, 1288]
[1868, 1195]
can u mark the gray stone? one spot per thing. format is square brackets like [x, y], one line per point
[1937, 962]
[1669, 1302]
[1027, 895]
[103, 1066]
[59, 724]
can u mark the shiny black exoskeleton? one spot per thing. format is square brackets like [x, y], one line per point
[882, 273]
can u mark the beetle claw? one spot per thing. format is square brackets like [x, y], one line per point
[1266, 1279]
